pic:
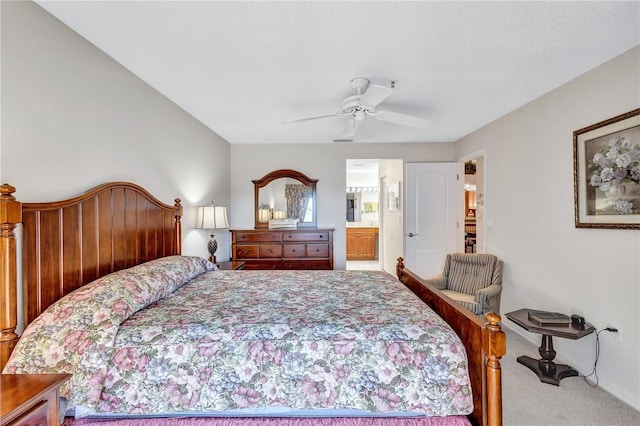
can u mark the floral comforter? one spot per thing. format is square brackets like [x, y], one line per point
[212, 341]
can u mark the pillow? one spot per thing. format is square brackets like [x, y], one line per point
[75, 335]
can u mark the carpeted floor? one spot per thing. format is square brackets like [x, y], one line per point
[529, 402]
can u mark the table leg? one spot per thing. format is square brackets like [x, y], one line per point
[547, 370]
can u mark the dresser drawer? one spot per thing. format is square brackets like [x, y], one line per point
[270, 250]
[257, 236]
[307, 264]
[305, 236]
[260, 264]
[317, 250]
[293, 250]
[246, 251]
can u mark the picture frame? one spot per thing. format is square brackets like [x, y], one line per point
[393, 197]
[606, 173]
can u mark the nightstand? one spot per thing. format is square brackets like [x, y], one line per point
[232, 264]
[31, 399]
[547, 370]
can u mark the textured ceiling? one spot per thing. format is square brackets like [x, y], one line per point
[241, 68]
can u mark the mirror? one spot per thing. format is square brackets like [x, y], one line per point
[285, 199]
[362, 205]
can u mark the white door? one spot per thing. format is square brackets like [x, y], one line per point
[434, 211]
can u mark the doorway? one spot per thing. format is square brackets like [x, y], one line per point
[474, 202]
[470, 206]
[362, 215]
[390, 222]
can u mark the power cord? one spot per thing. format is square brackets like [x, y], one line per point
[595, 363]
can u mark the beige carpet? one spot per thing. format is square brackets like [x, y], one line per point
[529, 402]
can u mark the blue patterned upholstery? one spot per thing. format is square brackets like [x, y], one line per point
[472, 280]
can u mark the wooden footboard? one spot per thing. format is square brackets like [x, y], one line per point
[484, 341]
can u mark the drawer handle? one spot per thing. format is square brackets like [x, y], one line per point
[243, 236]
[290, 236]
[294, 250]
[246, 251]
[321, 236]
[317, 249]
[270, 251]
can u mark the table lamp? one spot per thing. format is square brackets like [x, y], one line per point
[212, 217]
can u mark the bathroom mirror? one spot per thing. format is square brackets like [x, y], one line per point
[285, 199]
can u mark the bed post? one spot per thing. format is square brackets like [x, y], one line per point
[495, 347]
[178, 225]
[10, 216]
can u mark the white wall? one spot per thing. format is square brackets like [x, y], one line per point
[549, 264]
[325, 162]
[393, 229]
[72, 118]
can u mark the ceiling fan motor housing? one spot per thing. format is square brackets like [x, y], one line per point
[360, 84]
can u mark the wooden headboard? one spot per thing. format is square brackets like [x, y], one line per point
[66, 244]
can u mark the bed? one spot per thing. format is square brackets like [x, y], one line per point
[118, 235]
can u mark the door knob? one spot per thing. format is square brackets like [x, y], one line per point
[411, 235]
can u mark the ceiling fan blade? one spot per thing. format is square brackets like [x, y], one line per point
[298, 120]
[403, 119]
[374, 95]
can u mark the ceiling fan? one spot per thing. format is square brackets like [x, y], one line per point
[365, 103]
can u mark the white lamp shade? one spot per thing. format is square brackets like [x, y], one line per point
[212, 217]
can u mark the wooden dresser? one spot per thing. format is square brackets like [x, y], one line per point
[283, 248]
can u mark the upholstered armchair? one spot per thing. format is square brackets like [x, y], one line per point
[472, 280]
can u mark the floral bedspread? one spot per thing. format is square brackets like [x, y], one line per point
[230, 340]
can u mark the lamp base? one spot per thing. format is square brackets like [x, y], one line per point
[212, 246]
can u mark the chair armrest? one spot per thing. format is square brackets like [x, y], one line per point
[488, 296]
[438, 282]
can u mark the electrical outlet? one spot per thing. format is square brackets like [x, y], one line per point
[615, 336]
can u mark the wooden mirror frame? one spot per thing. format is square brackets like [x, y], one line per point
[285, 173]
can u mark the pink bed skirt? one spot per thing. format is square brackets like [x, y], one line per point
[273, 421]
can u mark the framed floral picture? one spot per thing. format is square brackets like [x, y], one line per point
[606, 173]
